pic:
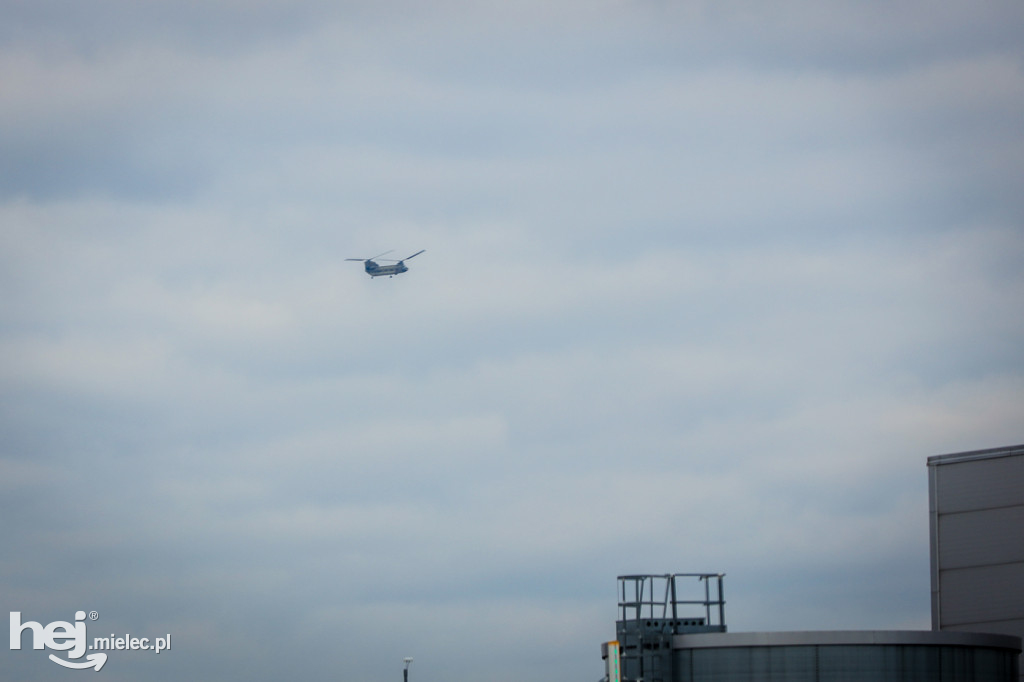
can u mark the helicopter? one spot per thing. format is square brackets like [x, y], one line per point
[373, 269]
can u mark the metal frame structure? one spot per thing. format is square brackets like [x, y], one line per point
[644, 604]
[653, 609]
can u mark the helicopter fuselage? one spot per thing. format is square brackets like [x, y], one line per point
[375, 270]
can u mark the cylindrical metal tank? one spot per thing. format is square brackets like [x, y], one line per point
[845, 656]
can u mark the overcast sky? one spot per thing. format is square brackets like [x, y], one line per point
[705, 284]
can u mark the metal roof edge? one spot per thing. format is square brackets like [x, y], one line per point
[990, 453]
[846, 637]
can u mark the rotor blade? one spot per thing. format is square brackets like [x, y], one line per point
[414, 255]
[363, 260]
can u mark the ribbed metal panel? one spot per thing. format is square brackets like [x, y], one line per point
[978, 484]
[860, 656]
[983, 594]
[991, 536]
[1006, 627]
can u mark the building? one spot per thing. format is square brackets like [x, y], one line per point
[665, 633]
[671, 628]
[976, 505]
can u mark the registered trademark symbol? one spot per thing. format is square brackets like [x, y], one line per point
[93, 615]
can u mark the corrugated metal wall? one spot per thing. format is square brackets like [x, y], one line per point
[977, 542]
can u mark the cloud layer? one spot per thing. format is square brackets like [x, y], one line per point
[705, 284]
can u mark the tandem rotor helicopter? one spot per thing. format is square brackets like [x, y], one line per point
[373, 269]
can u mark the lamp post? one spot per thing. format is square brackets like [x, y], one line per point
[405, 671]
